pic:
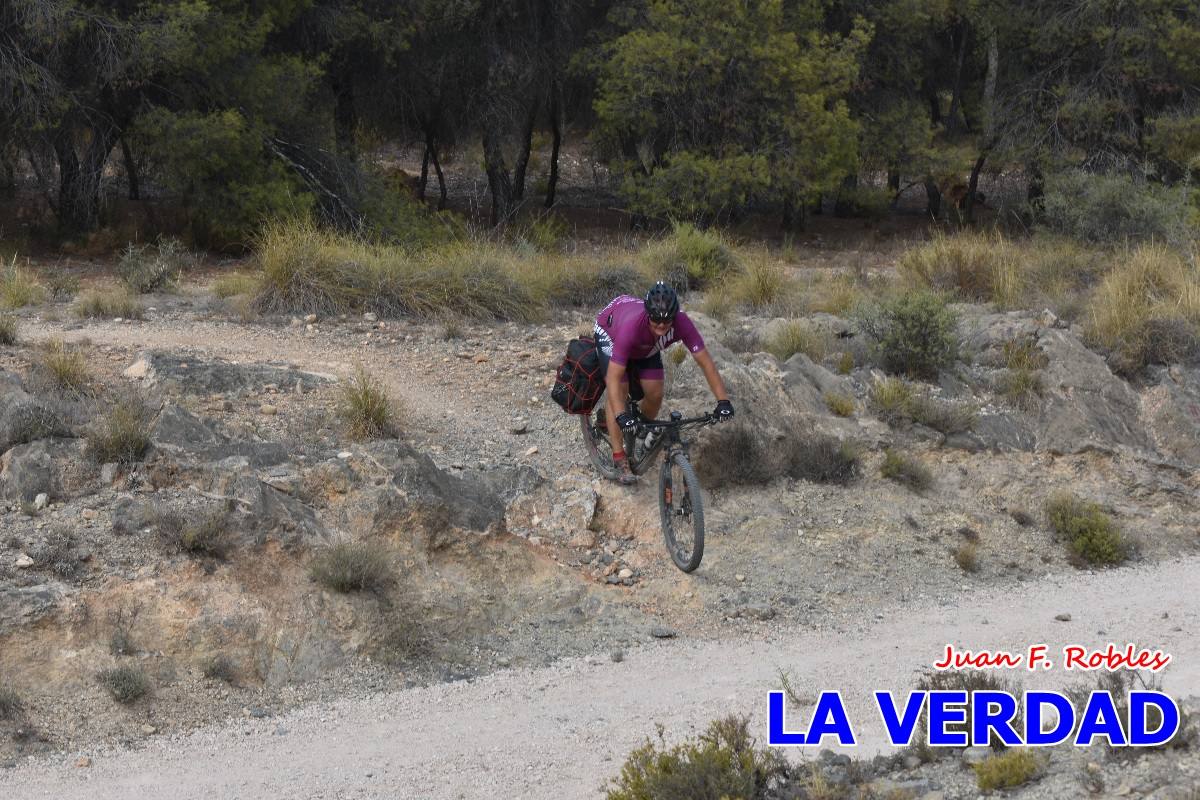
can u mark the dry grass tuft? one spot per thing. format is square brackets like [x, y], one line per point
[353, 567]
[19, 287]
[121, 436]
[366, 408]
[114, 303]
[796, 337]
[840, 404]
[8, 330]
[1092, 536]
[905, 470]
[64, 367]
[126, 684]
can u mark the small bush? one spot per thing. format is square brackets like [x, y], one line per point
[845, 362]
[121, 642]
[1021, 387]
[220, 667]
[974, 266]
[1006, 770]
[1091, 535]
[64, 367]
[1147, 311]
[62, 285]
[734, 454]
[546, 233]
[866, 202]
[915, 334]
[126, 684]
[108, 304]
[57, 554]
[969, 681]
[148, 268]
[1118, 685]
[8, 330]
[10, 703]
[19, 287]
[899, 403]
[584, 284]
[121, 436]
[235, 284]
[762, 286]
[840, 404]
[353, 567]
[366, 409]
[203, 534]
[836, 296]
[1116, 209]
[891, 399]
[723, 762]
[690, 256]
[904, 470]
[966, 555]
[820, 459]
[796, 337]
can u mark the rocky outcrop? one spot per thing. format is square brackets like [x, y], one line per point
[23, 418]
[28, 470]
[1170, 410]
[562, 510]
[185, 437]
[195, 376]
[416, 482]
[262, 511]
[22, 605]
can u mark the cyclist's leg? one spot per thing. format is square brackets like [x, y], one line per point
[652, 378]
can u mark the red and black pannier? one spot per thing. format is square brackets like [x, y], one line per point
[579, 381]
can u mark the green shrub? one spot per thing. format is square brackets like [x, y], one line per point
[974, 266]
[19, 287]
[1006, 770]
[966, 555]
[546, 233]
[1091, 535]
[840, 404]
[366, 408]
[147, 268]
[234, 284]
[796, 337]
[62, 285]
[204, 534]
[64, 367]
[690, 256]
[820, 459]
[8, 330]
[721, 763]
[867, 202]
[108, 304]
[1117, 208]
[899, 403]
[352, 567]
[1147, 311]
[10, 703]
[126, 684]
[734, 455]
[220, 667]
[121, 436]
[904, 470]
[915, 334]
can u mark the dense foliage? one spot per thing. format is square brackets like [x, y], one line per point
[704, 109]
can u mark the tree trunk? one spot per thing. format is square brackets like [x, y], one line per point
[499, 182]
[933, 197]
[843, 206]
[437, 168]
[526, 150]
[952, 122]
[556, 132]
[135, 193]
[79, 180]
[972, 188]
[345, 117]
[424, 182]
[1036, 192]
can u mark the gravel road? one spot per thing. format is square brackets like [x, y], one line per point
[561, 731]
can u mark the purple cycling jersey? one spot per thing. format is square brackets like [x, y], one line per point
[628, 326]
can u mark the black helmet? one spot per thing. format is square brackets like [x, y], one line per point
[662, 304]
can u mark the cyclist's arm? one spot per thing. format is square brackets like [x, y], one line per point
[709, 368]
[612, 383]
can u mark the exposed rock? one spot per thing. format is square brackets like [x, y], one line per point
[28, 470]
[267, 511]
[800, 366]
[130, 514]
[21, 605]
[24, 419]
[179, 433]
[997, 431]
[216, 376]
[1170, 411]
[468, 503]
[662, 632]
[1084, 406]
[562, 510]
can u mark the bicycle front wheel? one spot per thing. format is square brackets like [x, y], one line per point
[682, 510]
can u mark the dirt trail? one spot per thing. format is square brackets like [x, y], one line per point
[561, 731]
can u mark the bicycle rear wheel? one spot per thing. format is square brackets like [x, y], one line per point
[596, 442]
[681, 507]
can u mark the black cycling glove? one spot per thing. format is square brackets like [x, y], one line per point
[627, 420]
[724, 410]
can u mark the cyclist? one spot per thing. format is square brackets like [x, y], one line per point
[631, 333]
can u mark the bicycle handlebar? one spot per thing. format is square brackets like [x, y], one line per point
[708, 419]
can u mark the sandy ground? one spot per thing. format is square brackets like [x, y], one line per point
[562, 731]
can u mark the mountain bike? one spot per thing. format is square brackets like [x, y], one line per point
[680, 501]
